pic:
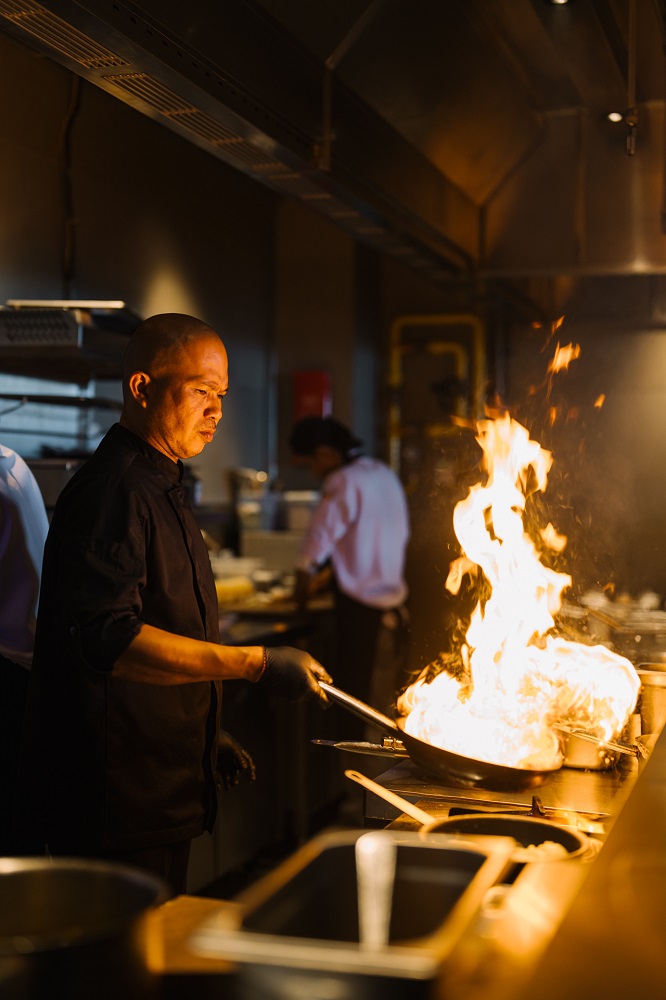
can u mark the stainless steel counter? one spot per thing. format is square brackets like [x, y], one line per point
[592, 792]
[611, 942]
[579, 929]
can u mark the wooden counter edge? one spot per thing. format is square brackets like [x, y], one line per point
[170, 927]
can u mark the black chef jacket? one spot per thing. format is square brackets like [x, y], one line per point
[123, 765]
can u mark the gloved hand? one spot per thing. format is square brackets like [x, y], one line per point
[293, 674]
[233, 762]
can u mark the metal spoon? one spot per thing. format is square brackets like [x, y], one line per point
[375, 874]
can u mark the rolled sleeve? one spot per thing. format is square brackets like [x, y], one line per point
[100, 584]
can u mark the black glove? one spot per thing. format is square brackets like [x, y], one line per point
[233, 763]
[293, 674]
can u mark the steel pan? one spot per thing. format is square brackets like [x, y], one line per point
[471, 772]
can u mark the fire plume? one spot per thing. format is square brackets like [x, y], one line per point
[522, 679]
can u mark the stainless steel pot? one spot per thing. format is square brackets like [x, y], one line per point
[75, 928]
[585, 751]
[584, 755]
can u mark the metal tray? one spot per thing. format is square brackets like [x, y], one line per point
[302, 919]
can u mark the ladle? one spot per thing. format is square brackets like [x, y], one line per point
[375, 873]
[404, 805]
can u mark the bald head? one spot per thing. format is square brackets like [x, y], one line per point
[175, 374]
[156, 342]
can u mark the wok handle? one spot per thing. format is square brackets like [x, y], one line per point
[360, 709]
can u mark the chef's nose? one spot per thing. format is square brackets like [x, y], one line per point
[214, 408]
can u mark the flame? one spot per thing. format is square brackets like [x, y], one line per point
[554, 327]
[563, 357]
[599, 401]
[522, 680]
[552, 539]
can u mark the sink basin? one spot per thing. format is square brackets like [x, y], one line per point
[301, 920]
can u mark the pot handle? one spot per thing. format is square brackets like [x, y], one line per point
[360, 709]
[633, 751]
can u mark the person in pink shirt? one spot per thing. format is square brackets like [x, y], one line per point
[360, 530]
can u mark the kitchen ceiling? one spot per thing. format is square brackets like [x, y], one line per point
[467, 137]
[470, 82]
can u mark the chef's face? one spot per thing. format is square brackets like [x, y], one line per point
[182, 397]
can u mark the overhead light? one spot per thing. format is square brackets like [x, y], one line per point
[559, 3]
[615, 116]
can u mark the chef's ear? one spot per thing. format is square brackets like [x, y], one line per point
[138, 383]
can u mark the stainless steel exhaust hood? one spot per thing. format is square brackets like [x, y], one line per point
[468, 139]
[230, 79]
[62, 340]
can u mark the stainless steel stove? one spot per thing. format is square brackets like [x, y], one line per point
[591, 793]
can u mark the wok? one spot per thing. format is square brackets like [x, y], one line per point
[471, 772]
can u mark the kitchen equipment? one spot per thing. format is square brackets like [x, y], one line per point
[295, 933]
[587, 752]
[527, 831]
[76, 928]
[375, 875]
[585, 822]
[404, 805]
[299, 506]
[389, 747]
[652, 700]
[453, 767]
[69, 340]
[584, 755]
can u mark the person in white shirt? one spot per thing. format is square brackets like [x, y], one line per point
[23, 529]
[360, 530]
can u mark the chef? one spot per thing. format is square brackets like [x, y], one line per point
[121, 737]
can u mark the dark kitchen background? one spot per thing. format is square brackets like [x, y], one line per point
[403, 196]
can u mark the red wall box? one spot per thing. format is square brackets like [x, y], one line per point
[312, 394]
